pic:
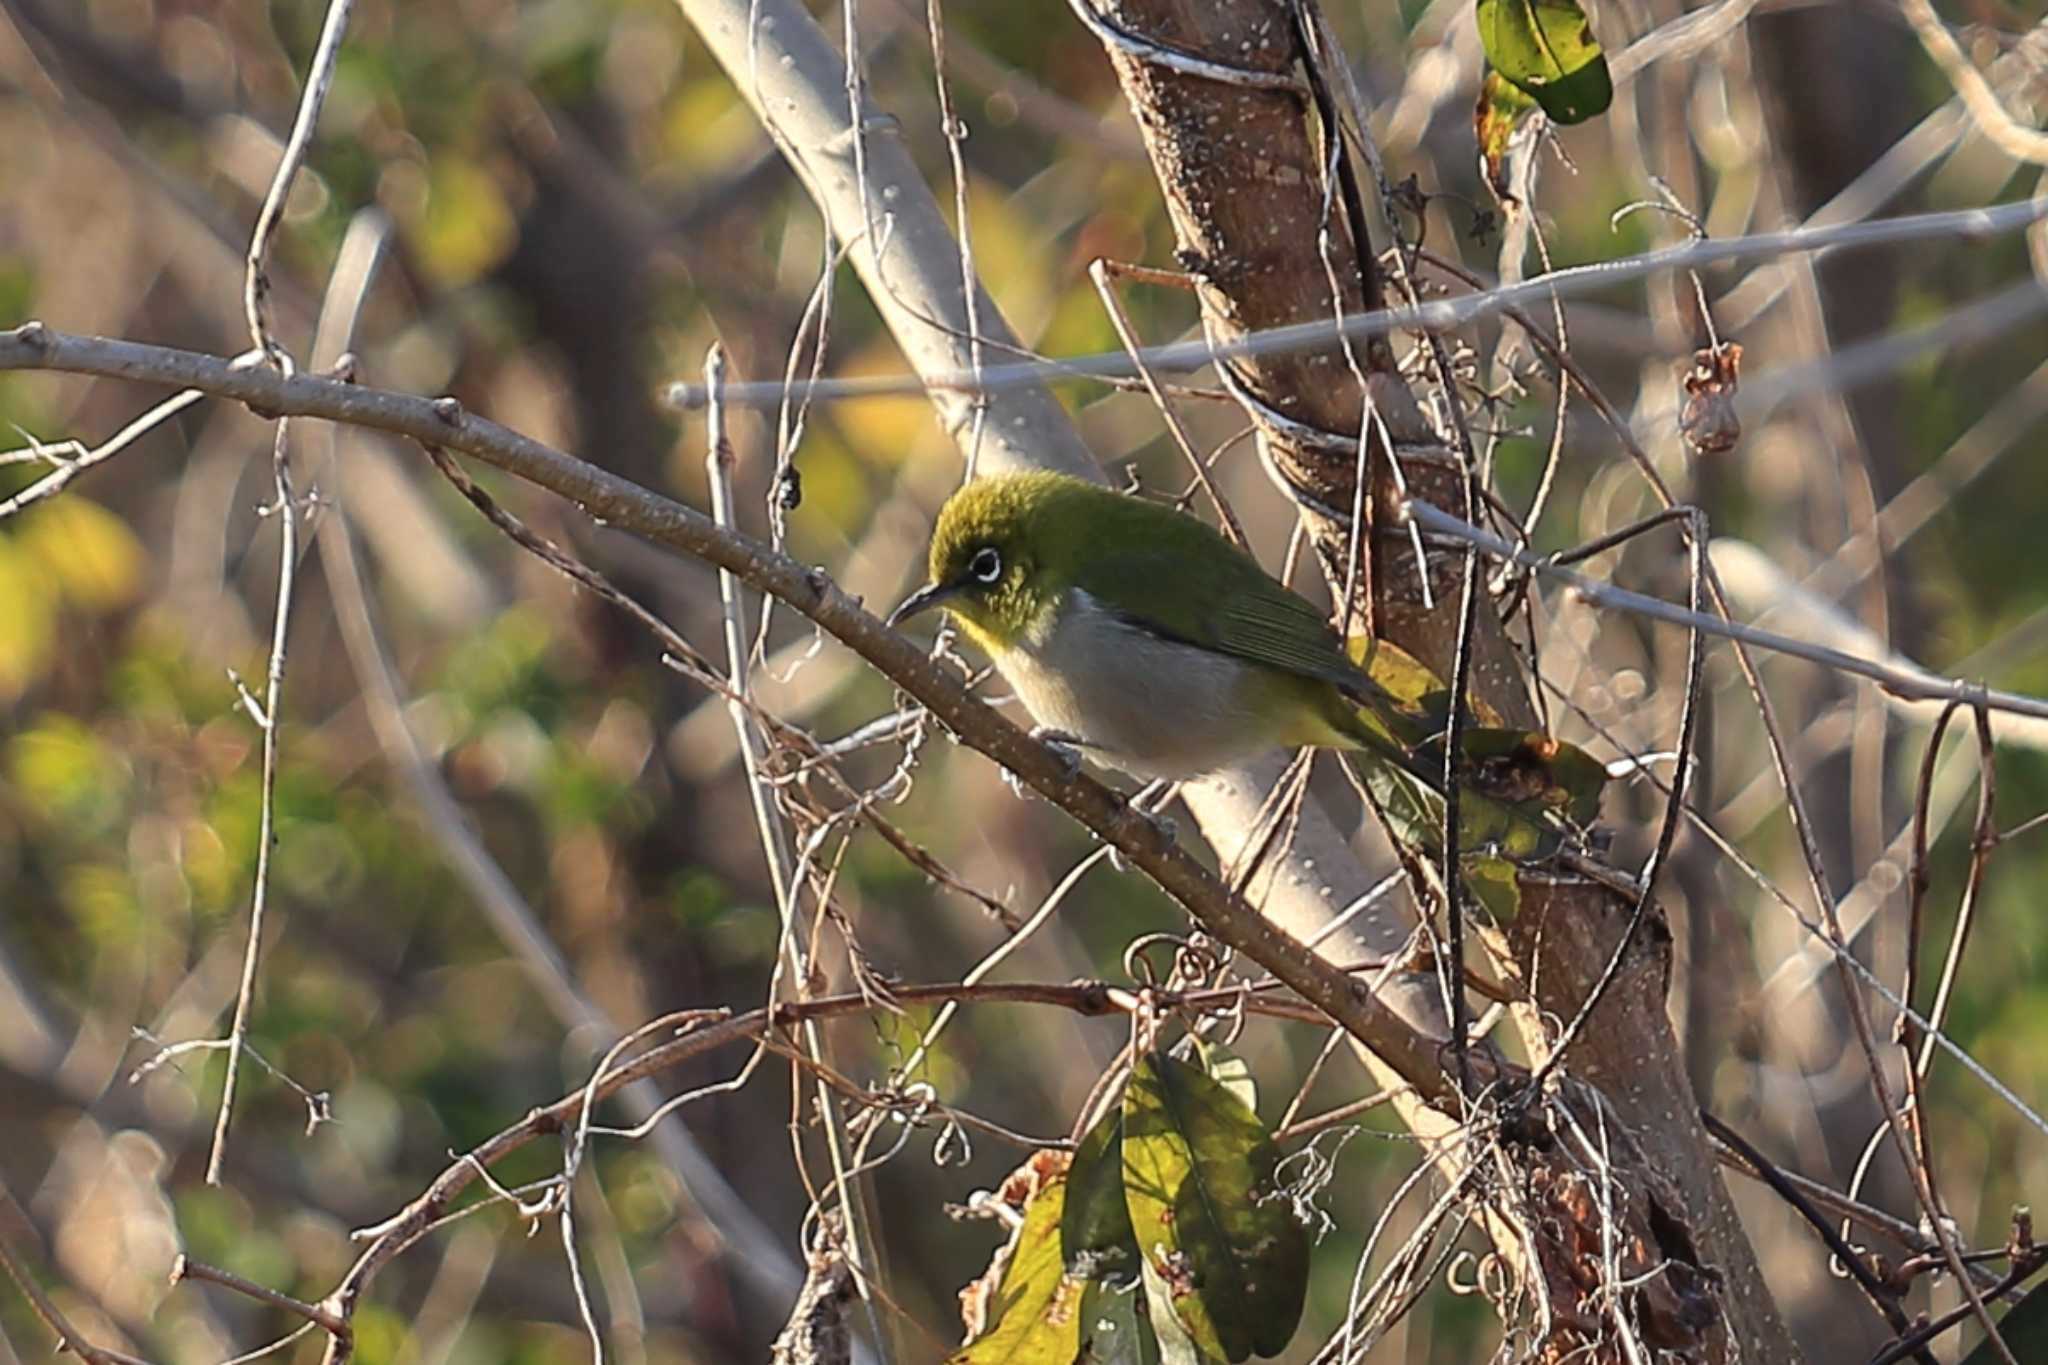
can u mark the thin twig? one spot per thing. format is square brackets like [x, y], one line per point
[68, 1337]
[272, 724]
[1918, 879]
[1837, 953]
[1827, 1197]
[1984, 837]
[255, 300]
[319, 1103]
[1343, 1113]
[1917, 1340]
[185, 1268]
[759, 1259]
[996, 957]
[319, 76]
[1439, 315]
[1983, 841]
[1695, 527]
[1099, 271]
[784, 871]
[69, 459]
[1914, 685]
[1881, 1296]
[954, 129]
[704, 1031]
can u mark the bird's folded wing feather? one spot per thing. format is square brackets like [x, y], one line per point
[1241, 612]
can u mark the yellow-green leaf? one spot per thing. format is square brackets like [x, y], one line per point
[1547, 48]
[69, 775]
[1034, 1317]
[1102, 1250]
[1222, 1249]
[1095, 1225]
[466, 227]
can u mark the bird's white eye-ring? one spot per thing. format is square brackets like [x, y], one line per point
[986, 566]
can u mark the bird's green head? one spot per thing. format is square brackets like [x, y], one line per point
[1004, 552]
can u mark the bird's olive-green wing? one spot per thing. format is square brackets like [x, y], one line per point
[1215, 596]
[1267, 623]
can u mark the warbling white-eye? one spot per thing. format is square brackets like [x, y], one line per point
[1142, 635]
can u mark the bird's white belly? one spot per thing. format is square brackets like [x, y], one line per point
[1149, 706]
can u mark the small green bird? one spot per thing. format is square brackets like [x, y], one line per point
[1142, 635]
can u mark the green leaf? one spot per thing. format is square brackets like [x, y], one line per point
[1223, 1253]
[1547, 48]
[2024, 1327]
[1486, 827]
[1114, 1327]
[1096, 1239]
[1495, 882]
[1532, 773]
[1520, 792]
[1101, 1249]
[1492, 838]
[1034, 1318]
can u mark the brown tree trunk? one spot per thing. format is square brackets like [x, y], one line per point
[1233, 137]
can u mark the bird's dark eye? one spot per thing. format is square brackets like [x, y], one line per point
[986, 566]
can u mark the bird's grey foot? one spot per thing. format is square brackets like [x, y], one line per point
[1065, 746]
[1149, 802]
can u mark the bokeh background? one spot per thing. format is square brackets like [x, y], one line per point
[578, 204]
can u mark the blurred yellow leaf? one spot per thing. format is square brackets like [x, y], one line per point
[101, 902]
[68, 773]
[28, 618]
[705, 129]
[468, 226]
[836, 494]
[886, 431]
[211, 869]
[1010, 256]
[94, 556]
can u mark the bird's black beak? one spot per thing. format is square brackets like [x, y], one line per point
[924, 599]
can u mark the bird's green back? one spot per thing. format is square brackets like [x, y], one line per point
[1170, 573]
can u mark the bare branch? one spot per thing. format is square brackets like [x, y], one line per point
[1911, 683]
[1441, 315]
[71, 458]
[68, 1337]
[623, 504]
[185, 1268]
